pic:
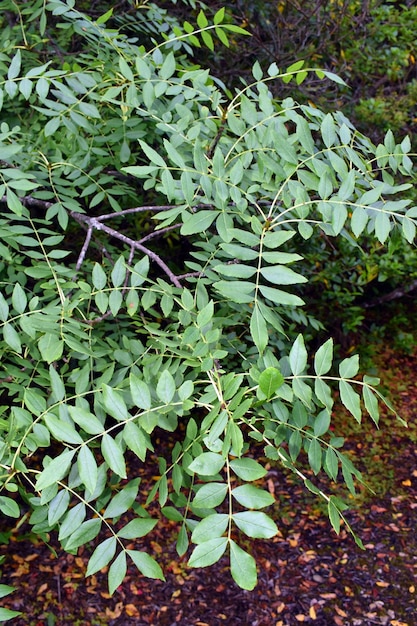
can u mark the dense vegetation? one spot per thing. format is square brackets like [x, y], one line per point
[159, 231]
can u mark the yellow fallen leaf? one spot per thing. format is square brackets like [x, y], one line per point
[131, 610]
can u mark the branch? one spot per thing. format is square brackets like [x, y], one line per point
[94, 223]
[399, 292]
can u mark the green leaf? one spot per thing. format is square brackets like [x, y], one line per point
[84, 534]
[382, 226]
[122, 501]
[302, 390]
[11, 337]
[114, 404]
[237, 291]
[349, 367]
[324, 358]
[117, 572]
[87, 468]
[146, 564]
[371, 403]
[331, 463]
[334, 77]
[198, 222]
[4, 309]
[62, 431]
[350, 399]
[280, 297]
[115, 302]
[323, 393]
[102, 20]
[88, 422]
[208, 552]
[34, 401]
[219, 16]
[210, 495]
[202, 21]
[118, 273]
[208, 39]
[56, 470]
[242, 567]
[9, 507]
[334, 515]
[255, 524]
[298, 356]
[182, 541]
[140, 392]
[314, 455]
[72, 521]
[113, 455]
[6, 614]
[19, 299]
[282, 275]
[125, 69]
[165, 389]
[328, 130]
[136, 440]
[101, 556]
[152, 155]
[14, 67]
[252, 497]
[5, 590]
[322, 423]
[207, 464]
[210, 527]
[58, 506]
[57, 384]
[248, 469]
[205, 315]
[270, 380]
[258, 329]
[138, 527]
[99, 276]
[51, 347]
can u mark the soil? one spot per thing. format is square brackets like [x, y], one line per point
[307, 573]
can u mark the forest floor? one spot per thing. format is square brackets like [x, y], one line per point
[307, 573]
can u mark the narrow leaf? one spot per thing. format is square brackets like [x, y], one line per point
[113, 455]
[242, 567]
[208, 553]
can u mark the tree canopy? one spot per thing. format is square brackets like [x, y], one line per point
[153, 226]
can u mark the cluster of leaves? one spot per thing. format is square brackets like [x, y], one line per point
[105, 347]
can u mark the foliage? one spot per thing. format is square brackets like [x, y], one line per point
[108, 345]
[372, 45]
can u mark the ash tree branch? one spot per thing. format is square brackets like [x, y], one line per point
[94, 223]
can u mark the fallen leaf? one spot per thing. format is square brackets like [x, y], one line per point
[131, 610]
[340, 611]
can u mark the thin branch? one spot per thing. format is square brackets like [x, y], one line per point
[137, 209]
[399, 292]
[157, 233]
[93, 222]
[84, 249]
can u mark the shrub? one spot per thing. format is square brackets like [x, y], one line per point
[108, 342]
